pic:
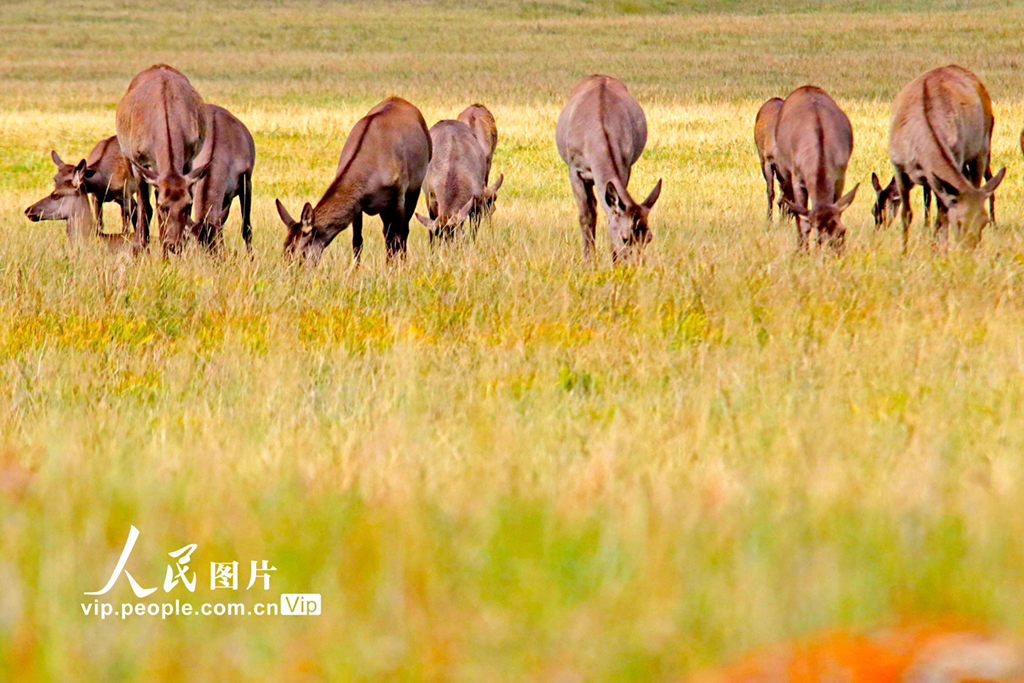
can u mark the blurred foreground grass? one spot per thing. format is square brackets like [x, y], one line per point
[497, 462]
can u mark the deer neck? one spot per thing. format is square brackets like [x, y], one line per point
[81, 222]
[337, 209]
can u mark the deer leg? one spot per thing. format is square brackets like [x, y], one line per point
[357, 237]
[387, 217]
[412, 198]
[143, 215]
[127, 211]
[475, 218]
[217, 227]
[396, 225]
[246, 202]
[926, 190]
[769, 178]
[583, 191]
[992, 199]
[786, 190]
[941, 223]
[803, 224]
[97, 209]
[904, 185]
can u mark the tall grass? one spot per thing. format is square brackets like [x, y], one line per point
[498, 462]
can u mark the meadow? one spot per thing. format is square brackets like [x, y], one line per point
[497, 461]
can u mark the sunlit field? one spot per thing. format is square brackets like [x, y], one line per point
[497, 461]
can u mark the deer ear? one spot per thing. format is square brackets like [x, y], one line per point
[944, 190]
[78, 175]
[875, 182]
[197, 174]
[992, 184]
[57, 161]
[285, 216]
[150, 177]
[463, 213]
[307, 218]
[612, 199]
[492, 191]
[795, 208]
[427, 223]
[844, 202]
[653, 196]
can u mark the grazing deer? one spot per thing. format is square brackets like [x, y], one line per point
[906, 654]
[228, 155]
[813, 144]
[764, 139]
[887, 202]
[380, 171]
[455, 184]
[601, 133]
[161, 127]
[69, 202]
[108, 178]
[940, 136]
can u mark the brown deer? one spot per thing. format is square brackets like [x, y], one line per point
[228, 155]
[600, 134]
[887, 202]
[764, 139]
[380, 171]
[70, 202]
[813, 144]
[161, 127]
[940, 136]
[455, 184]
[108, 178]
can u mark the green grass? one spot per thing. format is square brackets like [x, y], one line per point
[497, 462]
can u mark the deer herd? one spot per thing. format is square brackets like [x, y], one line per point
[940, 137]
[198, 158]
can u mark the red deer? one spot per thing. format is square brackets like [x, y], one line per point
[228, 155]
[940, 136]
[455, 183]
[69, 202]
[600, 134]
[161, 127]
[380, 171]
[764, 139]
[905, 654]
[108, 178]
[887, 202]
[813, 143]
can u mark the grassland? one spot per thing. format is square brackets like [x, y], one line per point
[499, 462]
